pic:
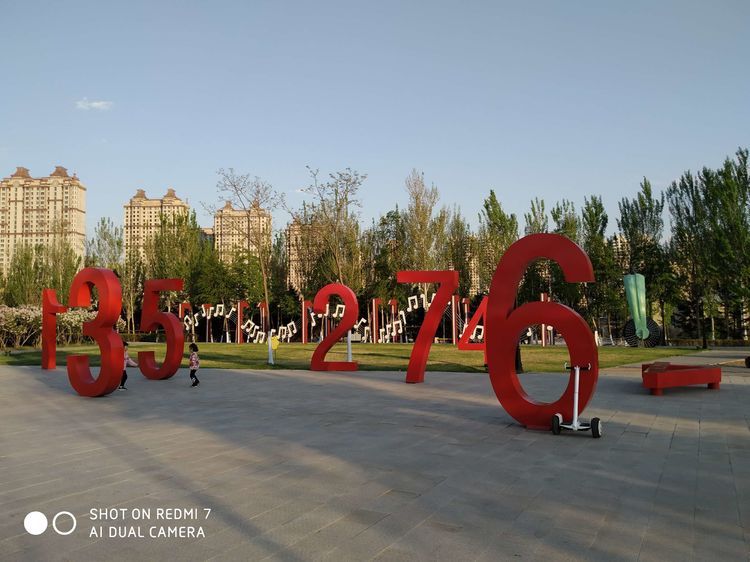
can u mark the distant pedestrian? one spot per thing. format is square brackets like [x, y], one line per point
[195, 364]
[127, 363]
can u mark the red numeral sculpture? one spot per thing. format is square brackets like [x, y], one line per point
[101, 329]
[448, 281]
[463, 343]
[50, 309]
[318, 362]
[504, 326]
[151, 318]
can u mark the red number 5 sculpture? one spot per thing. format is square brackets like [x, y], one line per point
[151, 318]
[504, 326]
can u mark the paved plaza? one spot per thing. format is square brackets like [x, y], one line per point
[296, 465]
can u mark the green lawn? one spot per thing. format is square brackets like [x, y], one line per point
[383, 357]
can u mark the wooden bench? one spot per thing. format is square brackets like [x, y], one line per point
[660, 375]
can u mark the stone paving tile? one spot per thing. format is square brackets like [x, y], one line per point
[330, 466]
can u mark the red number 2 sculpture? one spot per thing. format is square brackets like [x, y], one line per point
[448, 281]
[318, 362]
[101, 329]
[504, 326]
[151, 318]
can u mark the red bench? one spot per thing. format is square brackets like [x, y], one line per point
[660, 375]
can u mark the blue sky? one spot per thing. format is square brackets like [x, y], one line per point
[547, 98]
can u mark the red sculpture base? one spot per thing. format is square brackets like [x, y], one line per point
[660, 375]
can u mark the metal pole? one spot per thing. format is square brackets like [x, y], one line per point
[349, 346]
[577, 370]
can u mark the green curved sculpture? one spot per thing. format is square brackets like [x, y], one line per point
[635, 293]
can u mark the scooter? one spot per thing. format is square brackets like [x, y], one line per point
[576, 425]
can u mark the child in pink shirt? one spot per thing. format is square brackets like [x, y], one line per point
[128, 363]
[195, 364]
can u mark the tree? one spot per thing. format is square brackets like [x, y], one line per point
[602, 296]
[537, 279]
[459, 247]
[727, 198]
[383, 248]
[257, 199]
[22, 285]
[497, 231]
[335, 222]
[641, 224]
[105, 248]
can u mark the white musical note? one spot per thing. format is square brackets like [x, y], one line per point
[478, 334]
[358, 326]
[397, 324]
[381, 337]
[219, 310]
[340, 309]
[425, 303]
[291, 327]
[402, 315]
[196, 318]
[231, 311]
[413, 303]
[282, 332]
[366, 334]
[312, 319]
[261, 337]
[187, 321]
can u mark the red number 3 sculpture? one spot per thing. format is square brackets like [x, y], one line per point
[101, 329]
[504, 326]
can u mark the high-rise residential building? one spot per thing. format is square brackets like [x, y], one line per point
[143, 217]
[240, 229]
[303, 246]
[41, 211]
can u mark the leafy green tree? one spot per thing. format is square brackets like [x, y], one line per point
[22, 285]
[566, 223]
[458, 248]
[603, 296]
[105, 248]
[728, 201]
[497, 231]
[334, 218]
[384, 243]
[537, 278]
[641, 224]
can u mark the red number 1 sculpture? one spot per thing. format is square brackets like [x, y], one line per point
[50, 309]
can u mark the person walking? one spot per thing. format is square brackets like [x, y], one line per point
[195, 364]
[127, 363]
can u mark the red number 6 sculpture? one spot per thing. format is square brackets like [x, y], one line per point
[101, 329]
[504, 325]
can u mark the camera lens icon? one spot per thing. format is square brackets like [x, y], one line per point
[36, 523]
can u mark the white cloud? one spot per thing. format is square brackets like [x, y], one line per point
[99, 105]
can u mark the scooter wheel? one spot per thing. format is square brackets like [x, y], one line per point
[556, 421]
[596, 428]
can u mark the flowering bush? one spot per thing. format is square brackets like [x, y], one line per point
[22, 325]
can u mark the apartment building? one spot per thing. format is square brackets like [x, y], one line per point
[240, 229]
[143, 217]
[41, 211]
